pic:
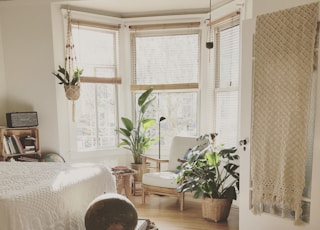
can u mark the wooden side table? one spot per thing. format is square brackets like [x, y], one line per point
[123, 180]
[136, 188]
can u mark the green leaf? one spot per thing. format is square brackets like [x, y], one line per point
[124, 132]
[74, 81]
[146, 105]
[62, 81]
[143, 97]
[231, 167]
[213, 158]
[147, 123]
[225, 153]
[124, 142]
[230, 193]
[127, 123]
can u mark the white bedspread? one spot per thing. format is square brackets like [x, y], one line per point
[49, 195]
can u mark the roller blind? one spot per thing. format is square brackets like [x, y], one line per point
[166, 59]
[227, 53]
[97, 51]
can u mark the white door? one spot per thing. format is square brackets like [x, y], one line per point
[247, 220]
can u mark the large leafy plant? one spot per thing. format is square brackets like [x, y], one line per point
[210, 171]
[134, 134]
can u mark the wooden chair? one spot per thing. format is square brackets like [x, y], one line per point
[164, 182]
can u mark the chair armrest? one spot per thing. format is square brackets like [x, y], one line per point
[181, 160]
[156, 160]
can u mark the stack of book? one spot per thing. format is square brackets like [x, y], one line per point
[18, 145]
[122, 169]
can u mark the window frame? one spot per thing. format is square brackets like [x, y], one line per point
[193, 87]
[228, 22]
[100, 22]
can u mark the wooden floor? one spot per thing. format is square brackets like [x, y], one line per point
[164, 212]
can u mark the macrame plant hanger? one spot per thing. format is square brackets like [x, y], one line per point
[72, 90]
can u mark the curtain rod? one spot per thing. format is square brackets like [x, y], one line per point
[164, 26]
[233, 14]
[94, 24]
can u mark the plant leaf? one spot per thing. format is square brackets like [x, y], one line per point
[143, 97]
[147, 123]
[127, 123]
[213, 158]
[146, 105]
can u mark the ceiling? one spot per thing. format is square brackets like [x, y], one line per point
[135, 8]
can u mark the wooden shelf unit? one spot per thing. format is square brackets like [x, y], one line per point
[25, 131]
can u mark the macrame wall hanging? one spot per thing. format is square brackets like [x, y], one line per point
[71, 75]
[283, 66]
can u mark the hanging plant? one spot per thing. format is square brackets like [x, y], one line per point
[71, 82]
[68, 75]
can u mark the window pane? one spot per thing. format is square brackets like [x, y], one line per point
[167, 59]
[179, 109]
[226, 85]
[96, 117]
[95, 50]
[229, 52]
[227, 118]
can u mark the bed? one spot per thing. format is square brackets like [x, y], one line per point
[50, 195]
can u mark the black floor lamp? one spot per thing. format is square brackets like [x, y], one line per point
[161, 119]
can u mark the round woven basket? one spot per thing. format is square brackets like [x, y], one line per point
[72, 92]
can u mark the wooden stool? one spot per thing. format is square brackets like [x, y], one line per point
[123, 179]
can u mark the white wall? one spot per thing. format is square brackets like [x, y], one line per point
[3, 93]
[28, 60]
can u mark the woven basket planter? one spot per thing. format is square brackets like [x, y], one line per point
[216, 210]
[139, 168]
[72, 92]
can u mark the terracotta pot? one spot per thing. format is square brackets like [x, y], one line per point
[216, 210]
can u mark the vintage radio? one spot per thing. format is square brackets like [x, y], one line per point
[22, 119]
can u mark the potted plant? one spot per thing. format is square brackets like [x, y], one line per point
[135, 134]
[211, 173]
[71, 83]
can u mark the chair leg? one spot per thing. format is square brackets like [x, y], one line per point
[143, 196]
[181, 199]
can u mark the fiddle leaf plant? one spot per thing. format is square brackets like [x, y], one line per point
[210, 172]
[134, 135]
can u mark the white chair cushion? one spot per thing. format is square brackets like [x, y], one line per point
[160, 179]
